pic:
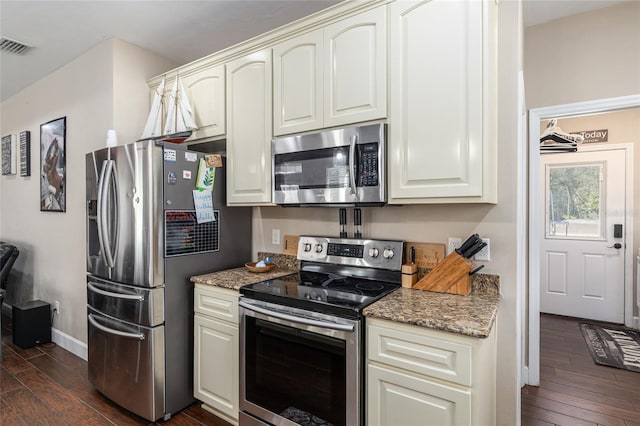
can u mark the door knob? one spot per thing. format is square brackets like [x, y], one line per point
[616, 246]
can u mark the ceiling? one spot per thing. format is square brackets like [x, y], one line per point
[181, 30]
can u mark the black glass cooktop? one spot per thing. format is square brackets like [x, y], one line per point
[321, 292]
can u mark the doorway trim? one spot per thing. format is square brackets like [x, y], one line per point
[531, 371]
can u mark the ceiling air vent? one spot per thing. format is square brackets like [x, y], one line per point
[12, 46]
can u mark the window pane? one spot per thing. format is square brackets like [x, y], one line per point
[574, 201]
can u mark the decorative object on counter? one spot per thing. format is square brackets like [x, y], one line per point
[52, 165]
[25, 153]
[453, 274]
[427, 255]
[357, 222]
[179, 122]
[343, 223]
[290, 245]
[9, 155]
[265, 265]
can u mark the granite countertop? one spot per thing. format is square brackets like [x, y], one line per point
[471, 315]
[238, 277]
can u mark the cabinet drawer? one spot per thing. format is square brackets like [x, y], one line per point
[397, 398]
[216, 303]
[420, 351]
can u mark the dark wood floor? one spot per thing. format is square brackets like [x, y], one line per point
[48, 385]
[573, 389]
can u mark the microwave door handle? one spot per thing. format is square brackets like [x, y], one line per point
[352, 165]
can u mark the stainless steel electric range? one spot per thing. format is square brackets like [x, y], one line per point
[302, 336]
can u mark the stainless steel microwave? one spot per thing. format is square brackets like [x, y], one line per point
[340, 167]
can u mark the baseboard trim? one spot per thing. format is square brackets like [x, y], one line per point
[69, 343]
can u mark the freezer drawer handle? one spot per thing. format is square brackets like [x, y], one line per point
[112, 331]
[138, 297]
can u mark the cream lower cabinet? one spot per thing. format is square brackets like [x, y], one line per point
[442, 109]
[249, 129]
[215, 351]
[422, 377]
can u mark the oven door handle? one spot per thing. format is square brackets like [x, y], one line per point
[293, 318]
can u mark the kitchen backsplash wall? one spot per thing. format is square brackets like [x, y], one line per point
[424, 223]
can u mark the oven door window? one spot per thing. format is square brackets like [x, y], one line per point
[294, 373]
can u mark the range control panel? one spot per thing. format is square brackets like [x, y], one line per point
[382, 254]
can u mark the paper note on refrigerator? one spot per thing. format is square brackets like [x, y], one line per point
[203, 202]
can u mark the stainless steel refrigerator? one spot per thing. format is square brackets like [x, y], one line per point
[143, 244]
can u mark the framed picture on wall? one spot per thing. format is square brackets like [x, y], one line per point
[25, 153]
[9, 155]
[52, 165]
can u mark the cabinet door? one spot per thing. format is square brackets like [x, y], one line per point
[249, 129]
[215, 373]
[438, 142]
[396, 398]
[297, 84]
[206, 93]
[355, 73]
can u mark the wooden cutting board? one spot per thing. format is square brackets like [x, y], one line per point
[290, 245]
[428, 255]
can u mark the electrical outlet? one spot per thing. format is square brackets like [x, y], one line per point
[453, 243]
[485, 253]
[275, 237]
[56, 307]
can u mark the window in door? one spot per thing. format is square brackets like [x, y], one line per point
[575, 198]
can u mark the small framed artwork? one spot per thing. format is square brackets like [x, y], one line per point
[25, 153]
[52, 165]
[9, 155]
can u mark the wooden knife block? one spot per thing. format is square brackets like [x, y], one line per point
[449, 276]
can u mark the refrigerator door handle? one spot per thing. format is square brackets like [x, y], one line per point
[100, 212]
[106, 186]
[138, 297]
[95, 323]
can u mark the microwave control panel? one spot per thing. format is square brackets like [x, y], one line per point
[368, 164]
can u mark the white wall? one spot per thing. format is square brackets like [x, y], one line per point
[91, 91]
[434, 223]
[594, 55]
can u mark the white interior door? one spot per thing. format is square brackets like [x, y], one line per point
[582, 258]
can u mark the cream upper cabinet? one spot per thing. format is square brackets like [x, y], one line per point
[297, 84]
[332, 76]
[355, 67]
[249, 129]
[205, 90]
[418, 376]
[442, 146]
